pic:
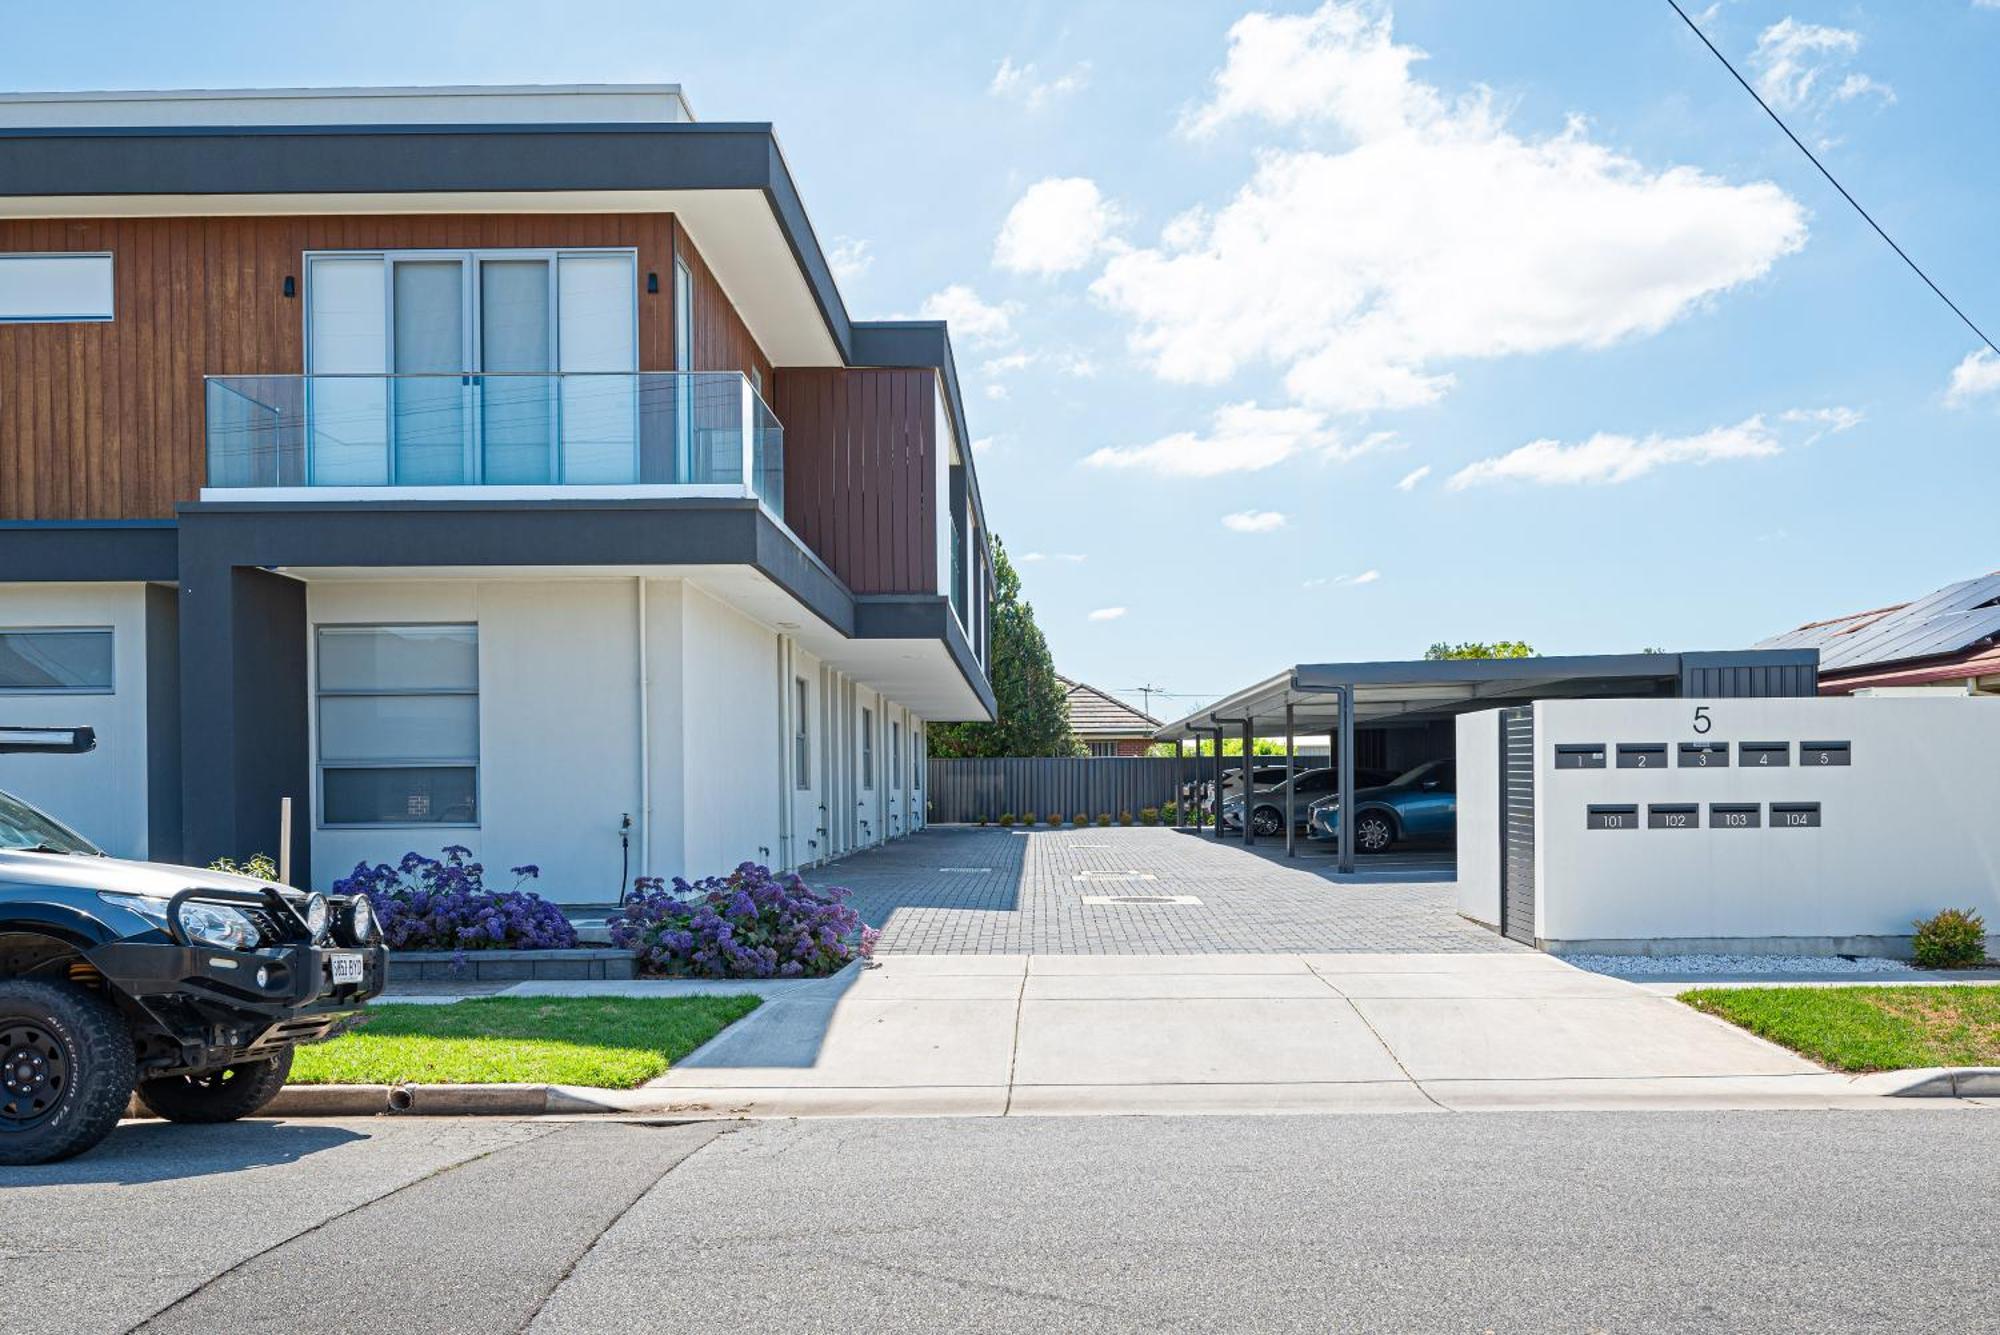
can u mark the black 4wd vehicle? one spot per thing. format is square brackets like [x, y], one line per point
[189, 987]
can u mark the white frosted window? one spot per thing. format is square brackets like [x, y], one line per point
[597, 346]
[55, 288]
[398, 724]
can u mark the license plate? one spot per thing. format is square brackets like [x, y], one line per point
[344, 968]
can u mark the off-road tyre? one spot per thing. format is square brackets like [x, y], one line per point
[221, 1095]
[66, 1070]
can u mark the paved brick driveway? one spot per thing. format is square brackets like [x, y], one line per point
[964, 890]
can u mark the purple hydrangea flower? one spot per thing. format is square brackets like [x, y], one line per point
[748, 924]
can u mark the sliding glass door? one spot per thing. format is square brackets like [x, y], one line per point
[472, 367]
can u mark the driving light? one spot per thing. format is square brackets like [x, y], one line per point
[263, 977]
[356, 924]
[316, 916]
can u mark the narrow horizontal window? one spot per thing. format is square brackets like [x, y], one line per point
[412, 795]
[64, 661]
[55, 289]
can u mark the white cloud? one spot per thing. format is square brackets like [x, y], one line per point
[971, 317]
[849, 259]
[1057, 225]
[1069, 363]
[1025, 84]
[1434, 234]
[1795, 64]
[1978, 375]
[1013, 361]
[1254, 521]
[1070, 557]
[1824, 421]
[997, 393]
[1107, 614]
[984, 445]
[1366, 577]
[1321, 581]
[1409, 480]
[1609, 458]
[1242, 438]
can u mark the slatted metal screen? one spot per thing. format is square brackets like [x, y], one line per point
[971, 790]
[1517, 824]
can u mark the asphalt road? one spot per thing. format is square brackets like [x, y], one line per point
[1538, 1221]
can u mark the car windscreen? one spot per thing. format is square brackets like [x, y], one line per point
[1410, 778]
[23, 827]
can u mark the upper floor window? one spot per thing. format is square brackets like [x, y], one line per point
[48, 660]
[399, 725]
[61, 288]
[896, 755]
[437, 368]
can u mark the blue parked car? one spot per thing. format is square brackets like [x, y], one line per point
[1420, 805]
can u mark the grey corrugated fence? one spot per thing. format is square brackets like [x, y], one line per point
[971, 790]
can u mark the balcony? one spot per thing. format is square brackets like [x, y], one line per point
[693, 433]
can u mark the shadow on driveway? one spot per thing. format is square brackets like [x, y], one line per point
[140, 1152]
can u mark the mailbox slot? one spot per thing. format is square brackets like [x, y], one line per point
[1734, 815]
[1642, 755]
[1826, 753]
[1673, 816]
[1613, 817]
[1704, 755]
[1794, 815]
[1588, 755]
[1763, 755]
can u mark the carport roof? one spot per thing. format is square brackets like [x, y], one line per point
[1425, 689]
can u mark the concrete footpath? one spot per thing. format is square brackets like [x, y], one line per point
[1024, 1035]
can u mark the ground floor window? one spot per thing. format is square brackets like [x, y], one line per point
[1103, 749]
[398, 724]
[867, 748]
[56, 660]
[801, 735]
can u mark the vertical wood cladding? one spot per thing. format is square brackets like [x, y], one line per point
[105, 421]
[722, 342]
[861, 472]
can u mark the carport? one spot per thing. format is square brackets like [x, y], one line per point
[1342, 699]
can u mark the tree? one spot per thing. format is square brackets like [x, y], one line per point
[1034, 708]
[1474, 649]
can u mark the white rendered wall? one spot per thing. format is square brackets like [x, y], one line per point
[1478, 841]
[101, 794]
[732, 730]
[1907, 828]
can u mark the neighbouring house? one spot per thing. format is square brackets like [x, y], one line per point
[1106, 725]
[483, 466]
[1946, 641]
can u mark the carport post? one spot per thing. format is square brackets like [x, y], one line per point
[1215, 803]
[1248, 787]
[1290, 765]
[1347, 778]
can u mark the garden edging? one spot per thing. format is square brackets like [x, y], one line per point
[587, 964]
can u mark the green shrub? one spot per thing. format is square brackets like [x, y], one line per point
[1027, 818]
[1124, 818]
[1006, 820]
[1103, 818]
[258, 866]
[1953, 939]
[1170, 814]
[982, 822]
[1149, 815]
[1082, 818]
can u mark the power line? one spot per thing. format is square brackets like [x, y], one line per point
[1779, 121]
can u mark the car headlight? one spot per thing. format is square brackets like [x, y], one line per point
[316, 916]
[217, 925]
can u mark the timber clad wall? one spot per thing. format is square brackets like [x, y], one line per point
[104, 421]
[860, 472]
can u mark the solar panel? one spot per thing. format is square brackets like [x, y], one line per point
[1953, 618]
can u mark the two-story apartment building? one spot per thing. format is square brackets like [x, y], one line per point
[495, 467]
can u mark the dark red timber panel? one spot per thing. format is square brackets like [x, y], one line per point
[861, 472]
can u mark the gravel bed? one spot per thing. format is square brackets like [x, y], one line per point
[1656, 966]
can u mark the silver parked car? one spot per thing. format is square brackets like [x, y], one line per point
[1308, 786]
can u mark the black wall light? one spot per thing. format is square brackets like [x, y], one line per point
[291, 286]
[652, 282]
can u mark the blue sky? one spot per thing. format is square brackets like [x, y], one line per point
[1224, 276]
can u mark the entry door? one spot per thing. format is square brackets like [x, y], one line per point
[1517, 825]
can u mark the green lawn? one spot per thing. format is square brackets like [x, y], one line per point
[607, 1042]
[1867, 1028]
